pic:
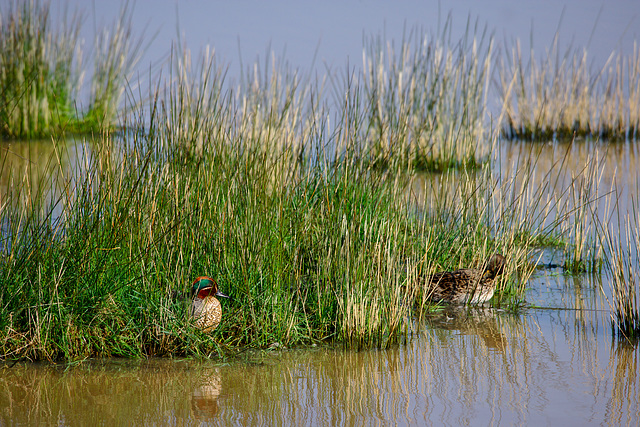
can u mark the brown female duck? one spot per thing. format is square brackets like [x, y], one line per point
[467, 285]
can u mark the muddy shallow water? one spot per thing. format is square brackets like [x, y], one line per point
[478, 366]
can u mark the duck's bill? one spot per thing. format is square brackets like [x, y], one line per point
[220, 294]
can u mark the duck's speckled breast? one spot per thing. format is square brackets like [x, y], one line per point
[206, 313]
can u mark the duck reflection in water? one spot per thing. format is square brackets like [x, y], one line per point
[470, 321]
[204, 398]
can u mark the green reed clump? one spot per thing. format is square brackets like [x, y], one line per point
[303, 264]
[562, 96]
[37, 69]
[41, 68]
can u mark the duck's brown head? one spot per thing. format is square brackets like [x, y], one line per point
[495, 265]
[205, 286]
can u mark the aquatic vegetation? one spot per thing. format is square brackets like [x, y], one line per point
[271, 189]
[425, 103]
[38, 77]
[561, 96]
[625, 256]
[583, 252]
[41, 70]
[312, 248]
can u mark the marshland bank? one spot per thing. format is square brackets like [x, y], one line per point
[296, 190]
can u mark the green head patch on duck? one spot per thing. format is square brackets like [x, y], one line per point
[205, 286]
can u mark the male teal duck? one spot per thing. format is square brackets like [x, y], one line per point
[206, 310]
[467, 285]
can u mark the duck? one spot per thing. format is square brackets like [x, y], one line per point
[206, 310]
[466, 285]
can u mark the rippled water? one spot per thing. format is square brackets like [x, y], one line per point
[478, 366]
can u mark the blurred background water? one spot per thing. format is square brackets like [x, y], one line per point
[315, 35]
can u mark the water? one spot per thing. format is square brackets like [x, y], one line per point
[481, 367]
[329, 34]
[552, 365]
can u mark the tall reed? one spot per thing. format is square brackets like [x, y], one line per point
[425, 103]
[38, 69]
[623, 244]
[41, 69]
[562, 95]
[116, 54]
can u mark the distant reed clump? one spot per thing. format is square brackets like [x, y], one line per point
[562, 96]
[424, 102]
[41, 70]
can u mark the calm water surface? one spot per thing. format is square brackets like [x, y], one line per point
[459, 367]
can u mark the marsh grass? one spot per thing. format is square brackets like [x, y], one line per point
[272, 191]
[41, 70]
[116, 53]
[584, 253]
[623, 243]
[425, 100]
[562, 96]
[37, 69]
[568, 197]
